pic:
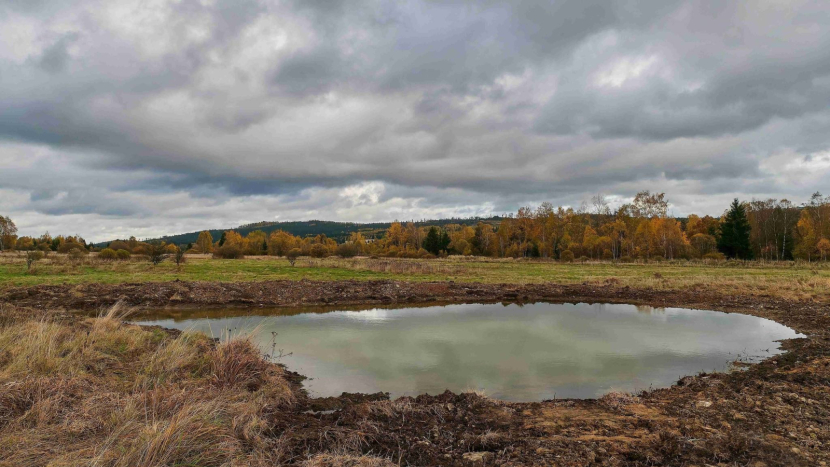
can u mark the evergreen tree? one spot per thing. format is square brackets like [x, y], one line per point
[734, 233]
[222, 239]
[445, 241]
[432, 242]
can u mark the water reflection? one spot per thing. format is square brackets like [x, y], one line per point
[522, 353]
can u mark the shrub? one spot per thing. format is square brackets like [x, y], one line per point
[347, 250]
[179, 256]
[292, 255]
[119, 245]
[423, 253]
[582, 259]
[625, 259]
[567, 256]
[606, 254]
[76, 255]
[122, 255]
[318, 251]
[157, 252]
[107, 254]
[228, 251]
[32, 257]
[68, 247]
[715, 255]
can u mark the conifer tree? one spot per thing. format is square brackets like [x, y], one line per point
[734, 233]
[445, 241]
[432, 242]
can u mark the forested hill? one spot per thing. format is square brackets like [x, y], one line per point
[336, 230]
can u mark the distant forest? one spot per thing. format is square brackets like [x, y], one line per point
[338, 231]
[641, 230]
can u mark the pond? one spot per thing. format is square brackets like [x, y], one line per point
[510, 352]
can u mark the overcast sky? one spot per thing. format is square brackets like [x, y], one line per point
[148, 117]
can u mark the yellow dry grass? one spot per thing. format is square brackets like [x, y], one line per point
[100, 392]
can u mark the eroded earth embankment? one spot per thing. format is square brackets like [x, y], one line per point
[776, 412]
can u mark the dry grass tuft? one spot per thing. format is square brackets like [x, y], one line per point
[100, 392]
[237, 362]
[194, 435]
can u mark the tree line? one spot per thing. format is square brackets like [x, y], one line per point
[641, 230]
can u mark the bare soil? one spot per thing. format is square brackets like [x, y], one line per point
[775, 413]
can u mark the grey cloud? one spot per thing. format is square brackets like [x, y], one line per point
[478, 105]
[310, 72]
[55, 56]
[746, 76]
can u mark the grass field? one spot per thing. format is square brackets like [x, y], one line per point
[786, 279]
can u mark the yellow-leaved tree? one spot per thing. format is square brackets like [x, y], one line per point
[205, 242]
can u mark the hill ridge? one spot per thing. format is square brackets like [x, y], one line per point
[337, 230]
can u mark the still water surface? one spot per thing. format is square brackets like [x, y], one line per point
[511, 352]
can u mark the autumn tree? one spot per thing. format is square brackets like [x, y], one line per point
[25, 244]
[616, 232]
[788, 215]
[806, 237]
[819, 208]
[205, 242]
[253, 243]
[590, 240]
[359, 241]
[396, 235]
[650, 205]
[281, 242]
[703, 244]
[771, 222]
[734, 233]
[483, 240]
[823, 247]
[233, 237]
[8, 233]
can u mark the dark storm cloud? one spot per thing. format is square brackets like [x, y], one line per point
[413, 105]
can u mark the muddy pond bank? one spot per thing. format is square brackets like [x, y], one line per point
[773, 413]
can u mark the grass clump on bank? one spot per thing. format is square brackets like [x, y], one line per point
[100, 392]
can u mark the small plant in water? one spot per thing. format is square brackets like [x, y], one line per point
[276, 355]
